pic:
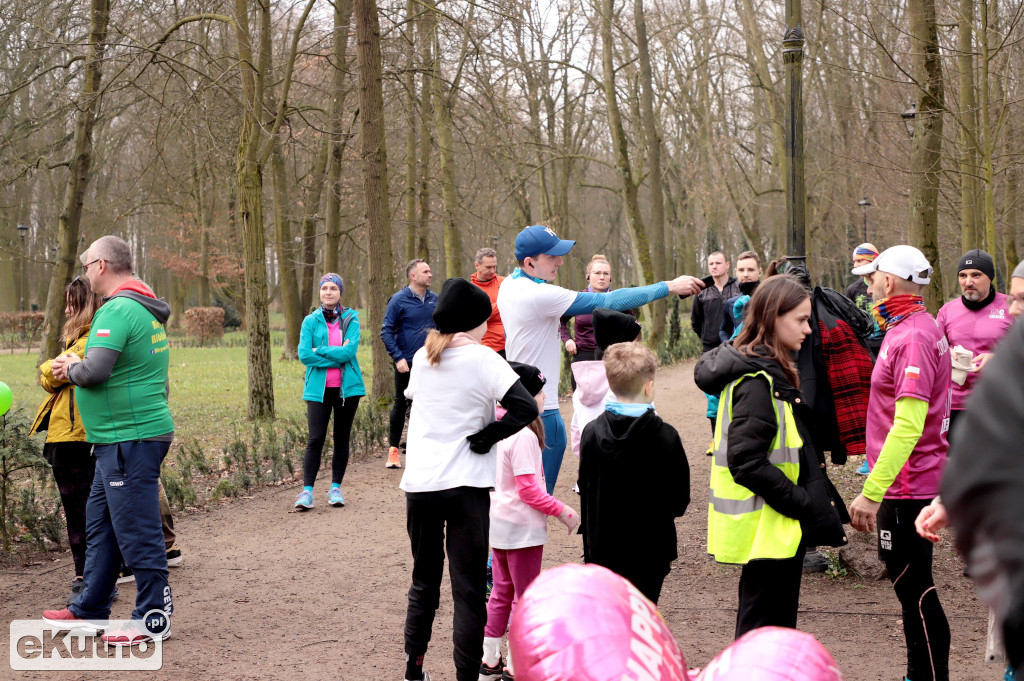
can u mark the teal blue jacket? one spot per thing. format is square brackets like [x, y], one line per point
[319, 356]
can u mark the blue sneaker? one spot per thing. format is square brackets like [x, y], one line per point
[1010, 675]
[334, 497]
[304, 501]
[864, 468]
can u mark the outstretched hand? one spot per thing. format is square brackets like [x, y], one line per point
[685, 286]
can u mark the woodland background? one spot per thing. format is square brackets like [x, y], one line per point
[245, 146]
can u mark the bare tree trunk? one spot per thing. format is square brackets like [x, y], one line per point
[70, 219]
[968, 140]
[621, 150]
[926, 149]
[342, 19]
[375, 180]
[293, 311]
[652, 137]
[250, 210]
[409, 78]
[424, 35]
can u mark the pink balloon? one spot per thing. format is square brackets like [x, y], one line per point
[773, 654]
[586, 623]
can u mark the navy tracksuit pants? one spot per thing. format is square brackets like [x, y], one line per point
[123, 520]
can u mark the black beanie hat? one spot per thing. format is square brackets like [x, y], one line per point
[611, 327]
[461, 306]
[530, 376]
[977, 259]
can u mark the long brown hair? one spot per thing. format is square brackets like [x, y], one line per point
[83, 303]
[435, 344]
[773, 298]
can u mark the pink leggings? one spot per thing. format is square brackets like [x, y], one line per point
[513, 570]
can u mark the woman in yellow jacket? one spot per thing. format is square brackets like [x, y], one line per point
[66, 448]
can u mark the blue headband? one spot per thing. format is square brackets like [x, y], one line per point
[336, 279]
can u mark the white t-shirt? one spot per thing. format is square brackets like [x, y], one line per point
[530, 313]
[514, 524]
[450, 401]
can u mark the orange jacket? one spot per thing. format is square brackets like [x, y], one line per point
[495, 336]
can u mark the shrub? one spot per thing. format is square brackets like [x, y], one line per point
[204, 324]
[20, 329]
[232, 319]
[19, 454]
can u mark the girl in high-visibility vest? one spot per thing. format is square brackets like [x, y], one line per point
[770, 495]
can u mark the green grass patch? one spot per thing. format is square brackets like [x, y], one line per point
[208, 388]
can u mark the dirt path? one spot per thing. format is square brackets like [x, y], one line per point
[269, 594]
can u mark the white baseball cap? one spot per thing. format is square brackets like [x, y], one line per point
[905, 262]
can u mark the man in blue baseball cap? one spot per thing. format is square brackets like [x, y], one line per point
[530, 308]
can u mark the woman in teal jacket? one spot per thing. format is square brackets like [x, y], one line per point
[328, 344]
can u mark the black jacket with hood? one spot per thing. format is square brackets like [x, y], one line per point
[628, 515]
[813, 501]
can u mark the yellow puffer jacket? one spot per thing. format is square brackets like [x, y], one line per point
[58, 415]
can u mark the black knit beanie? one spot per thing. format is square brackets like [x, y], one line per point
[461, 306]
[530, 376]
[977, 259]
[611, 327]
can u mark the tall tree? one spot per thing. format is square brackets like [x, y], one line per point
[375, 180]
[256, 140]
[926, 149]
[87, 108]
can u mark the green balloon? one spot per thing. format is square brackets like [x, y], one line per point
[6, 397]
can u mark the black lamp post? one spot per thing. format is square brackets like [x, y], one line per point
[908, 119]
[864, 205]
[22, 231]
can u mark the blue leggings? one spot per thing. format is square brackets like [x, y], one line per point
[554, 446]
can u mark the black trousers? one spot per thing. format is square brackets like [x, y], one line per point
[770, 593]
[457, 521]
[317, 416]
[399, 408]
[74, 467]
[908, 559]
[580, 356]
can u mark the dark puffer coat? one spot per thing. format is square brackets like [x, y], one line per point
[813, 501]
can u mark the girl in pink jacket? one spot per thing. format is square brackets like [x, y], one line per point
[520, 506]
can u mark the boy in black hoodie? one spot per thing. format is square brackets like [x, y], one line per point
[628, 515]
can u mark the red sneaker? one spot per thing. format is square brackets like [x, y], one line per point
[67, 620]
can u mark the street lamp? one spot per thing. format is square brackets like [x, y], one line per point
[22, 231]
[864, 205]
[908, 119]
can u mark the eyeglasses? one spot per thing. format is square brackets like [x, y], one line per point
[85, 267]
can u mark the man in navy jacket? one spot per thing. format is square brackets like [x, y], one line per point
[407, 319]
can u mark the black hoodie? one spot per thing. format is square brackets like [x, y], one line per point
[813, 501]
[627, 513]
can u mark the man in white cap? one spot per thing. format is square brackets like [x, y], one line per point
[908, 417]
[530, 308]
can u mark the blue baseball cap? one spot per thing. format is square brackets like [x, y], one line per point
[538, 239]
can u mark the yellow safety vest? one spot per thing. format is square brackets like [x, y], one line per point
[741, 526]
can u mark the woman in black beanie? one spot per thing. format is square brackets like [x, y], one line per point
[450, 468]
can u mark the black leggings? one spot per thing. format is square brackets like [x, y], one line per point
[399, 408]
[73, 468]
[908, 559]
[317, 415]
[456, 520]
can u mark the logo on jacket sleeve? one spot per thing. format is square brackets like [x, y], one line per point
[103, 333]
[913, 373]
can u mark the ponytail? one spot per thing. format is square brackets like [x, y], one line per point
[435, 344]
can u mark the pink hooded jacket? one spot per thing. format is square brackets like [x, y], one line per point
[589, 398]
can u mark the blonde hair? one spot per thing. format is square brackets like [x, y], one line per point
[629, 366]
[598, 257]
[435, 344]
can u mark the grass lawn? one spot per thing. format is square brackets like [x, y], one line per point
[208, 387]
